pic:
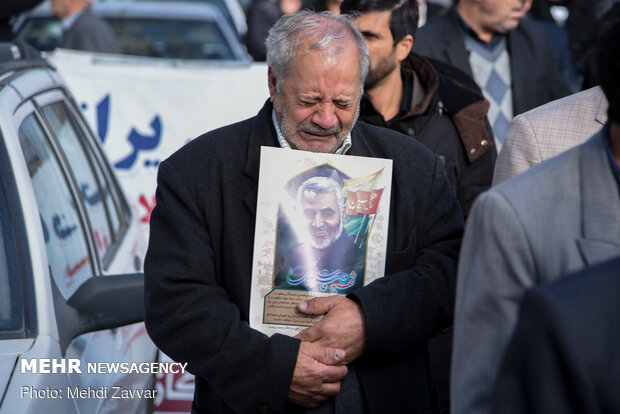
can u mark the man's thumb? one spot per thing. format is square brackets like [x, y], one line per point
[316, 306]
[329, 356]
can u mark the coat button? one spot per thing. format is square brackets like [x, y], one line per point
[473, 151]
[263, 409]
[484, 143]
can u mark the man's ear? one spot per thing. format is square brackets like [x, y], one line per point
[404, 47]
[272, 83]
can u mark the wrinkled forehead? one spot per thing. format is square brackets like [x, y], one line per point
[330, 50]
[333, 70]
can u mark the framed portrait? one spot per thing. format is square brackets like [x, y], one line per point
[321, 229]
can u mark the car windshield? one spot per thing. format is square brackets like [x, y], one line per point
[11, 311]
[170, 38]
[175, 39]
[219, 4]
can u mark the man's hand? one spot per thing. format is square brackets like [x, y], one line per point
[342, 327]
[317, 375]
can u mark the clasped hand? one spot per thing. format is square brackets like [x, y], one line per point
[326, 348]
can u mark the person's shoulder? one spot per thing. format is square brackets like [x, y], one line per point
[528, 24]
[453, 75]
[571, 107]
[89, 26]
[88, 18]
[387, 143]
[434, 32]
[582, 295]
[545, 181]
[534, 34]
[435, 25]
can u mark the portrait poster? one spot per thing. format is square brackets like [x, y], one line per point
[321, 229]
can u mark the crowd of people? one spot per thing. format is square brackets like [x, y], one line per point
[480, 79]
[502, 119]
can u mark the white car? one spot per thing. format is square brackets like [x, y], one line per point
[71, 253]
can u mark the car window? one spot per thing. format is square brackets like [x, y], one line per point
[219, 4]
[41, 32]
[64, 233]
[99, 204]
[11, 310]
[171, 39]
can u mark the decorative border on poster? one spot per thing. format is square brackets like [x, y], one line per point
[313, 242]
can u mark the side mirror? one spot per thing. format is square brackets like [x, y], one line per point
[102, 302]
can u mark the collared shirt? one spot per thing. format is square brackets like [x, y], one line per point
[615, 168]
[68, 21]
[369, 113]
[284, 143]
[495, 40]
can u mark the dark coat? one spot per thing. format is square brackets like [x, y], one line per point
[535, 78]
[262, 15]
[451, 121]
[199, 264]
[90, 33]
[563, 357]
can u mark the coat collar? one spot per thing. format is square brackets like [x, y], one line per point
[600, 103]
[261, 133]
[600, 203]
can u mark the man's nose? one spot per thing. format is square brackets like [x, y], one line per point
[325, 115]
[317, 221]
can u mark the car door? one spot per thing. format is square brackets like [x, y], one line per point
[86, 227]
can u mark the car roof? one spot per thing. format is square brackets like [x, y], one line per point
[19, 56]
[145, 9]
[176, 10]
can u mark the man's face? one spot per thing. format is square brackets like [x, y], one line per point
[323, 217]
[318, 101]
[375, 27]
[502, 16]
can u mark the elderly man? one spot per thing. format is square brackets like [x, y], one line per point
[509, 56]
[328, 255]
[81, 30]
[199, 263]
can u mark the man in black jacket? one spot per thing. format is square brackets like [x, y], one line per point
[198, 269]
[434, 103]
[563, 355]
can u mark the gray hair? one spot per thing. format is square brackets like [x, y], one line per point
[321, 185]
[321, 29]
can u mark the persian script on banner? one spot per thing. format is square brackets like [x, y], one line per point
[321, 229]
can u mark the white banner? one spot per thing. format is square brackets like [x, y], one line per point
[144, 109]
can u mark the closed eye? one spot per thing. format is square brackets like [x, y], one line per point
[343, 104]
